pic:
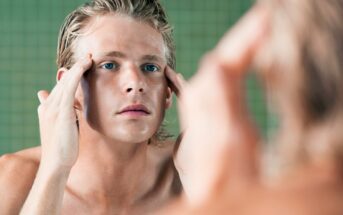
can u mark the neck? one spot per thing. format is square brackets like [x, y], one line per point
[110, 167]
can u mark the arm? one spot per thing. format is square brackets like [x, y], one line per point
[46, 194]
[59, 140]
[214, 112]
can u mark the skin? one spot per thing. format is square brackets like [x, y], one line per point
[227, 152]
[233, 180]
[219, 98]
[106, 166]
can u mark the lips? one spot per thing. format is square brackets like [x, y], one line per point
[136, 108]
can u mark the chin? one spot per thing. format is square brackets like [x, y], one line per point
[131, 138]
[132, 135]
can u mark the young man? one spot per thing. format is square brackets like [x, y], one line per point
[99, 125]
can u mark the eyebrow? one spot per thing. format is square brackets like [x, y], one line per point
[112, 54]
[154, 58]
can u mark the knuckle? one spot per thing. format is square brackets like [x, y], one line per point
[81, 66]
[45, 112]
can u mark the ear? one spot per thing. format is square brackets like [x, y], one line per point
[60, 73]
[169, 98]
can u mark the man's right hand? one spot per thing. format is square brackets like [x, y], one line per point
[220, 136]
[57, 118]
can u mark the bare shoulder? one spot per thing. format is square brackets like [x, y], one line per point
[19, 162]
[17, 173]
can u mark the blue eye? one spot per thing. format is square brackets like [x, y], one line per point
[108, 66]
[150, 68]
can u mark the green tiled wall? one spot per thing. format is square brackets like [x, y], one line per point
[28, 32]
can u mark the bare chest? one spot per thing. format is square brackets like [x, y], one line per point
[115, 204]
[73, 206]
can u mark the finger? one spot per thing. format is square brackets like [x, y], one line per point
[218, 135]
[205, 136]
[230, 124]
[57, 92]
[42, 96]
[181, 81]
[175, 81]
[233, 56]
[75, 73]
[72, 78]
[241, 162]
[65, 88]
[237, 48]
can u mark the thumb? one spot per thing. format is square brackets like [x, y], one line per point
[42, 95]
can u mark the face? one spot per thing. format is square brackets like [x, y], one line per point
[125, 94]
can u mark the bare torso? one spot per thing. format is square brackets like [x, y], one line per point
[156, 186]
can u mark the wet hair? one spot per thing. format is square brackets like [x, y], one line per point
[316, 30]
[306, 50]
[147, 11]
[150, 12]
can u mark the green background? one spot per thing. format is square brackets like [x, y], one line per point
[28, 32]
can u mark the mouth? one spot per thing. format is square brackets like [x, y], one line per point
[137, 109]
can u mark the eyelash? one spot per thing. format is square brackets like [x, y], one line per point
[115, 66]
[156, 68]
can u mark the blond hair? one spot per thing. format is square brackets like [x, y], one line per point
[148, 11]
[305, 52]
[317, 31]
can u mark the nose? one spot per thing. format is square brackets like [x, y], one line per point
[134, 81]
[131, 89]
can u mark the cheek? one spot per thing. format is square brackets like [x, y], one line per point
[98, 99]
[83, 92]
[160, 98]
[104, 92]
[159, 93]
[89, 111]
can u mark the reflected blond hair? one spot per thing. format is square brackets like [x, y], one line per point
[305, 57]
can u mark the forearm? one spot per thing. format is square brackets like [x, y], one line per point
[46, 194]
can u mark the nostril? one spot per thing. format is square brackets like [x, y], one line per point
[128, 90]
[141, 90]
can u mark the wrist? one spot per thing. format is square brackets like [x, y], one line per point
[54, 168]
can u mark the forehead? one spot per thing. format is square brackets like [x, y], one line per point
[116, 32]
